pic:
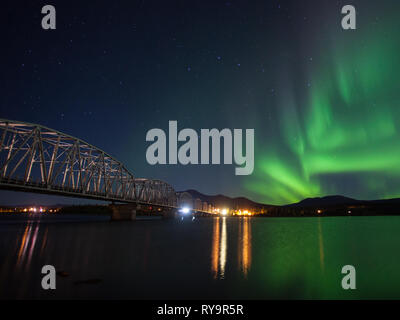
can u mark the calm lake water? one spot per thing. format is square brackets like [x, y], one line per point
[238, 258]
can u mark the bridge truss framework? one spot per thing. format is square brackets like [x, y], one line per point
[35, 158]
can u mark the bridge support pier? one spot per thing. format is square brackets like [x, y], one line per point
[169, 213]
[123, 212]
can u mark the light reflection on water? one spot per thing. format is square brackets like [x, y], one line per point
[202, 258]
[321, 246]
[245, 245]
[220, 246]
[28, 243]
[216, 247]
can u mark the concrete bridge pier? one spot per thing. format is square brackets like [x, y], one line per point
[122, 212]
[169, 213]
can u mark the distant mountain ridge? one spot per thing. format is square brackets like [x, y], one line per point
[338, 200]
[327, 201]
[245, 203]
[225, 201]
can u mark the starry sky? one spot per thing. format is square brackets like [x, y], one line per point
[324, 102]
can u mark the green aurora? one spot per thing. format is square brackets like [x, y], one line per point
[345, 129]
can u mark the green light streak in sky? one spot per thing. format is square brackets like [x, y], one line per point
[346, 125]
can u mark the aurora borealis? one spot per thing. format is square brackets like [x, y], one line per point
[324, 102]
[345, 131]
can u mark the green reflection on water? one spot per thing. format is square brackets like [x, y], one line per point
[302, 258]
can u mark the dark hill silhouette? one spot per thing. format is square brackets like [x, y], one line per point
[325, 201]
[225, 201]
[337, 200]
[335, 205]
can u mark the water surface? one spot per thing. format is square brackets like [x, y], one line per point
[234, 258]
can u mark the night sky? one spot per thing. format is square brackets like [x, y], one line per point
[324, 102]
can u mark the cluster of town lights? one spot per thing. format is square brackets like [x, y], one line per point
[240, 212]
[38, 210]
[221, 212]
[244, 213]
[29, 210]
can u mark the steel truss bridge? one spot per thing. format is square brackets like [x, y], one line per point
[34, 158]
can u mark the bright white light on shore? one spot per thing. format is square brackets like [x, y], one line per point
[224, 212]
[185, 210]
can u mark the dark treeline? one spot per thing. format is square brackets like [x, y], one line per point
[364, 209]
[92, 209]
[105, 210]
[343, 210]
